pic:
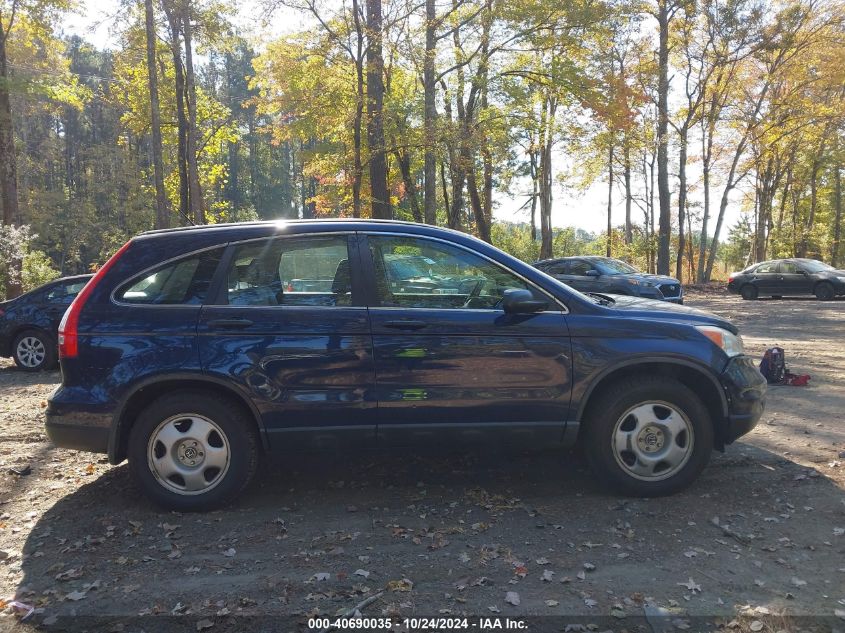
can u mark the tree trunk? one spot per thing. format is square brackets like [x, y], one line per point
[162, 220]
[445, 191]
[403, 158]
[532, 157]
[429, 115]
[706, 148]
[629, 237]
[358, 169]
[609, 240]
[837, 220]
[546, 235]
[8, 168]
[665, 229]
[682, 202]
[194, 190]
[811, 216]
[375, 114]
[174, 20]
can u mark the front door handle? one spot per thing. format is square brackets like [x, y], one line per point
[405, 324]
[229, 324]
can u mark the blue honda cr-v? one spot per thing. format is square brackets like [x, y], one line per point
[194, 351]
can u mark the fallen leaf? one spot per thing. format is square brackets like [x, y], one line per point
[552, 603]
[204, 624]
[321, 576]
[512, 597]
[400, 585]
[547, 576]
[362, 572]
[228, 553]
[691, 585]
[77, 595]
[756, 625]
[798, 582]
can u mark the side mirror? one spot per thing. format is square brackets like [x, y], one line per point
[593, 273]
[519, 301]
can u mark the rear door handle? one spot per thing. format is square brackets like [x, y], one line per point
[229, 324]
[405, 324]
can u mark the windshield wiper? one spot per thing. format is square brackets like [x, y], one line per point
[602, 299]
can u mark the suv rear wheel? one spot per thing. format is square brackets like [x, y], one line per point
[192, 451]
[648, 437]
[34, 351]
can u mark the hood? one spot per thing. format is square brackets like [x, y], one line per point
[655, 279]
[639, 307]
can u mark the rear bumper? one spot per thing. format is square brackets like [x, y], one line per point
[746, 391]
[82, 428]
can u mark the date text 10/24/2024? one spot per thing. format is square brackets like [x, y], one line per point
[429, 625]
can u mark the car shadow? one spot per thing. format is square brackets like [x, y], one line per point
[103, 555]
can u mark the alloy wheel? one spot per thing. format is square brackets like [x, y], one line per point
[31, 351]
[652, 441]
[188, 454]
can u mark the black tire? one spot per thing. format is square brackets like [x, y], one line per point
[235, 433]
[824, 291]
[34, 350]
[607, 411]
[748, 292]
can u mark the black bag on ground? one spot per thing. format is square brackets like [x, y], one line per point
[773, 365]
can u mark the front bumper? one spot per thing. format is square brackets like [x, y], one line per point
[746, 391]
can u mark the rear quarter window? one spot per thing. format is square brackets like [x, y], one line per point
[185, 281]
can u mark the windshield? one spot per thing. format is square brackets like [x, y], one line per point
[614, 267]
[814, 267]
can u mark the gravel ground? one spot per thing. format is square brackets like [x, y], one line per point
[756, 544]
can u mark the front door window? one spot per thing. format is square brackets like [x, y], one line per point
[420, 273]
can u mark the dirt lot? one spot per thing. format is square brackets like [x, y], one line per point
[756, 544]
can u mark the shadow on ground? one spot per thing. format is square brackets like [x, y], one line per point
[444, 535]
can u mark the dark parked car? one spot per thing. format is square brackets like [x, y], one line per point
[189, 356]
[786, 277]
[28, 323]
[611, 276]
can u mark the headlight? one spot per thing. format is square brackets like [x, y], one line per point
[730, 343]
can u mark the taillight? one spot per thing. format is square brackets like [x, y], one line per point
[730, 280]
[68, 338]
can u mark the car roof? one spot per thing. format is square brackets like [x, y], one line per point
[321, 223]
[71, 278]
[217, 233]
[570, 258]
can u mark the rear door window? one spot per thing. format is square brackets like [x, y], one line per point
[65, 292]
[557, 269]
[580, 268]
[291, 271]
[768, 267]
[182, 282]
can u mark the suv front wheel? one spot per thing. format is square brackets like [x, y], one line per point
[192, 451]
[648, 437]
